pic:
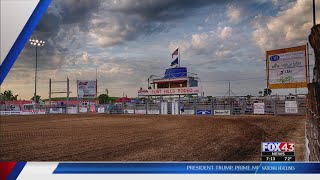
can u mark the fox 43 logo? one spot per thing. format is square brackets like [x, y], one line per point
[277, 147]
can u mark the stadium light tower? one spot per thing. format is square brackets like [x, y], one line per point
[37, 43]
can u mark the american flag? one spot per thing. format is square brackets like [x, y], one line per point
[175, 52]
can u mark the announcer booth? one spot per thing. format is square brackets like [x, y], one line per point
[168, 90]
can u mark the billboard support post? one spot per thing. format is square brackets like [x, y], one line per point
[50, 92]
[68, 91]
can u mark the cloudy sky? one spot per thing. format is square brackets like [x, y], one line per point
[129, 40]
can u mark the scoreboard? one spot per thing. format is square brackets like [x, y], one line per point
[277, 151]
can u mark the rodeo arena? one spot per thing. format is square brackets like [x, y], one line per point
[177, 92]
[171, 119]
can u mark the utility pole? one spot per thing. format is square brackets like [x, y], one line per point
[96, 83]
[229, 90]
[50, 93]
[68, 91]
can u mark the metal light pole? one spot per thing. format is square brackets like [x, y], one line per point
[37, 43]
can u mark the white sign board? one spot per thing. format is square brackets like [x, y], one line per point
[31, 112]
[291, 107]
[287, 68]
[141, 112]
[221, 112]
[153, 112]
[72, 110]
[10, 113]
[55, 111]
[187, 112]
[83, 109]
[170, 91]
[129, 111]
[164, 107]
[175, 108]
[101, 110]
[258, 108]
[87, 89]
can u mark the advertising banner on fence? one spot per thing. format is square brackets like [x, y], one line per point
[129, 111]
[258, 108]
[204, 112]
[291, 107]
[101, 110]
[153, 112]
[33, 111]
[188, 112]
[287, 68]
[83, 109]
[221, 112]
[141, 112]
[87, 89]
[55, 110]
[10, 113]
[92, 109]
[170, 91]
[72, 110]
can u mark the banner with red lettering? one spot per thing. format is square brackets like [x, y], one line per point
[170, 91]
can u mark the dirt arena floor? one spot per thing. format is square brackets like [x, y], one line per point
[105, 137]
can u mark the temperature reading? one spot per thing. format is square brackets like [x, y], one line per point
[288, 158]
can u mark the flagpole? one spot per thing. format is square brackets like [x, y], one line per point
[179, 57]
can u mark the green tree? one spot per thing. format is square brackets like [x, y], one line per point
[38, 98]
[267, 92]
[103, 98]
[7, 95]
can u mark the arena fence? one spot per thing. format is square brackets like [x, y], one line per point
[271, 105]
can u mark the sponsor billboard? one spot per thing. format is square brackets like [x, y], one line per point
[170, 91]
[87, 89]
[287, 68]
